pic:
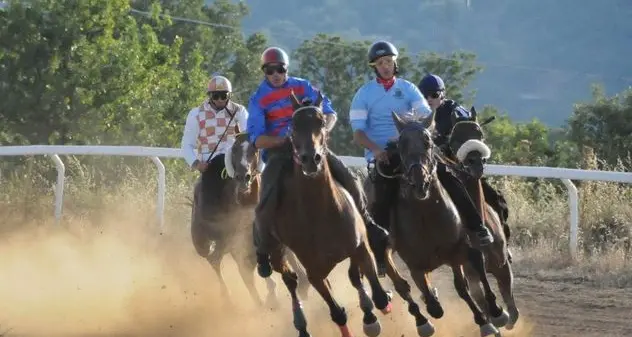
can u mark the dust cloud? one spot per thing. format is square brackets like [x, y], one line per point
[122, 278]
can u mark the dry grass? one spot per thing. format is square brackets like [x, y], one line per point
[539, 215]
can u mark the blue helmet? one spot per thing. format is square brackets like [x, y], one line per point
[431, 83]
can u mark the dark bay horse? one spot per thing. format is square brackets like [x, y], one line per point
[471, 153]
[317, 219]
[427, 231]
[223, 212]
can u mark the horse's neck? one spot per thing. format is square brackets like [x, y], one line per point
[474, 189]
[321, 188]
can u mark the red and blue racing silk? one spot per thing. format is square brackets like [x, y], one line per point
[270, 109]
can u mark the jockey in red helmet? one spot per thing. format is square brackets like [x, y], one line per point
[270, 112]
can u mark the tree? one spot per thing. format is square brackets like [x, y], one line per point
[457, 71]
[516, 143]
[604, 125]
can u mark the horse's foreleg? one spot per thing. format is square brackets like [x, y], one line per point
[337, 313]
[372, 327]
[246, 267]
[477, 260]
[366, 263]
[504, 276]
[303, 283]
[475, 288]
[429, 296]
[460, 283]
[291, 282]
[215, 260]
[280, 265]
[424, 327]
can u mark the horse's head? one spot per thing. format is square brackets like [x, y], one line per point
[416, 150]
[242, 162]
[467, 143]
[308, 135]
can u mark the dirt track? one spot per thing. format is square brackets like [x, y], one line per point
[127, 283]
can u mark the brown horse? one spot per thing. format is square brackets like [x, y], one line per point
[471, 153]
[317, 219]
[223, 213]
[427, 231]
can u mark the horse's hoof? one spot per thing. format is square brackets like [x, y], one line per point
[264, 270]
[488, 330]
[387, 309]
[426, 330]
[513, 318]
[501, 320]
[373, 329]
[435, 310]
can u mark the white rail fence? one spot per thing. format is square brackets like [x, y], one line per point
[155, 153]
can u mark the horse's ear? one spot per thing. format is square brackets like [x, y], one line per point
[319, 99]
[473, 112]
[295, 102]
[399, 122]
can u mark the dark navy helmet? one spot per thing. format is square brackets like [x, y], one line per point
[431, 83]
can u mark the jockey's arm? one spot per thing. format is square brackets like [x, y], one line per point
[189, 137]
[358, 118]
[330, 121]
[360, 138]
[242, 120]
[256, 126]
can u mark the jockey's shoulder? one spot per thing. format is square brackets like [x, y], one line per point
[234, 106]
[406, 82]
[193, 112]
[364, 87]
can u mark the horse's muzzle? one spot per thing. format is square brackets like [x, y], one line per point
[311, 164]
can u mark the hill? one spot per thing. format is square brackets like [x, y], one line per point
[539, 57]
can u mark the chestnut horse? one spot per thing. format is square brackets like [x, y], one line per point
[317, 219]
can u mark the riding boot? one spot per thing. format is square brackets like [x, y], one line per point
[469, 214]
[262, 237]
[378, 236]
[497, 201]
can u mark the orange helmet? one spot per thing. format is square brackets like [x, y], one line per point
[219, 83]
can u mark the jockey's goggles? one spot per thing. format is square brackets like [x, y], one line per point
[384, 60]
[219, 95]
[271, 69]
[435, 95]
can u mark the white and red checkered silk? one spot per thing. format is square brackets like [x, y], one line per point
[213, 123]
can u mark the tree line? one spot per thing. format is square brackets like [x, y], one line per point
[103, 72]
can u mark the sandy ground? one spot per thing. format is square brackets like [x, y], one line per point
[120, 280]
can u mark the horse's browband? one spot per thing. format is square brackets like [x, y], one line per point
[305, 107]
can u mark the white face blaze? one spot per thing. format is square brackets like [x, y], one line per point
[244, 154]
